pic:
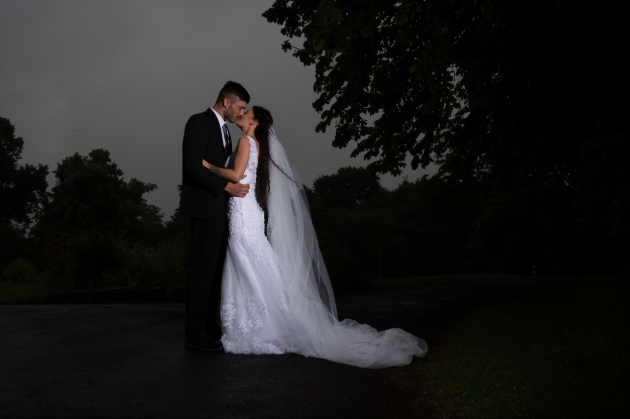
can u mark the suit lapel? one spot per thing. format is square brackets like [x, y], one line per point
[212, 117]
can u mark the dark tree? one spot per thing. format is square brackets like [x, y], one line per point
[524, 100]
[92, 216]
[91, 194]
[480, 86]
[178, 227]
[13, 244]
[348, 188]
[419, 228]
[22, 188]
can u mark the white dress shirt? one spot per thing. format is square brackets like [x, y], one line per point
[221, 123]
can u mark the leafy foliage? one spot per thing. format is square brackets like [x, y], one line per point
[348, 188]
[19, 271]
[416, 229]
[22, 188]
[91, 193]
[13, 245]
[440, 226]
[522, 102]
[483, 84]
[90, 210]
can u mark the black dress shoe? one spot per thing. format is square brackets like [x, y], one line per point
[215, 333]
[202, 341]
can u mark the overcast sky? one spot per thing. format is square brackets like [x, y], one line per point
[76, 75]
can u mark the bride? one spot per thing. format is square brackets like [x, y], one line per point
[276, 295]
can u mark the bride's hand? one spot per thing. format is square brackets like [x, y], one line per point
[237, 189]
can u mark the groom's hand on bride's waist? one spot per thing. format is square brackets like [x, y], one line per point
[237, 189]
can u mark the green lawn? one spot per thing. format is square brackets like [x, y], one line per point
[13, 292]
[560, 353]
[435, 279]
[16, 292]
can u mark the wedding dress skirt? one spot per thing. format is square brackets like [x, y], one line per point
[263, 311]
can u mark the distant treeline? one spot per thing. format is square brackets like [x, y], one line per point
[438, 226]
[92, 229]
[96, 229]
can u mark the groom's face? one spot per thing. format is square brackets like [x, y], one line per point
[235, 109]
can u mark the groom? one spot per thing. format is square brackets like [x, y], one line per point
[203, 198]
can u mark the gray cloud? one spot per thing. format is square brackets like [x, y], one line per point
[126, 75]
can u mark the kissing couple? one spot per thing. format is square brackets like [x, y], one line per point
[256, 281]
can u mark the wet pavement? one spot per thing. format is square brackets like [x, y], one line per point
[122, 360]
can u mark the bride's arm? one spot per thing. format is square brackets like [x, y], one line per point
[240, 163]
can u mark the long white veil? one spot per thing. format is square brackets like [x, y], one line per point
[308, 291]
[291, 233]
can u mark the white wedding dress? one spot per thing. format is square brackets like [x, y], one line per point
[276, 296]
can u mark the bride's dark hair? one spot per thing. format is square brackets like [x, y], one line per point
[265, 121]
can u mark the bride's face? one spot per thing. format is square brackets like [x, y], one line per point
[246, 120]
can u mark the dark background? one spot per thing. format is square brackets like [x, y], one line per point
[521, 107]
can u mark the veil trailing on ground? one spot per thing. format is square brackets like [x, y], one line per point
[292, 235]
[309, 294]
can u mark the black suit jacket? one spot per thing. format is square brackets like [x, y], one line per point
[203, 194]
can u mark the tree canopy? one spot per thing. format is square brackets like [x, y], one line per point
[453, 77]
[22, 187]
[348, 188]
[518, 95]
[91, 194]
[91, 217]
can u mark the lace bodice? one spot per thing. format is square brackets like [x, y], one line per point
[252, 165]
[244, 214]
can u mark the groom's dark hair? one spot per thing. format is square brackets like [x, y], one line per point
[232, 88]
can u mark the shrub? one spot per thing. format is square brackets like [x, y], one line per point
[343, 269]
[146, 266]
[20, 271]
[14, 245]
[598, 326]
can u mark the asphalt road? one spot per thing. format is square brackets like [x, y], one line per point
[122, 360]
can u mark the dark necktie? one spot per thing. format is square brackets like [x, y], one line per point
[228, 141]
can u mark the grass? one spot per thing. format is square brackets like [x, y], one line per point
[15, 292]
[560, 353]
[435, 279]
[11, 292]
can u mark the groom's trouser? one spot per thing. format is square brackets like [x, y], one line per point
[205, 269]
